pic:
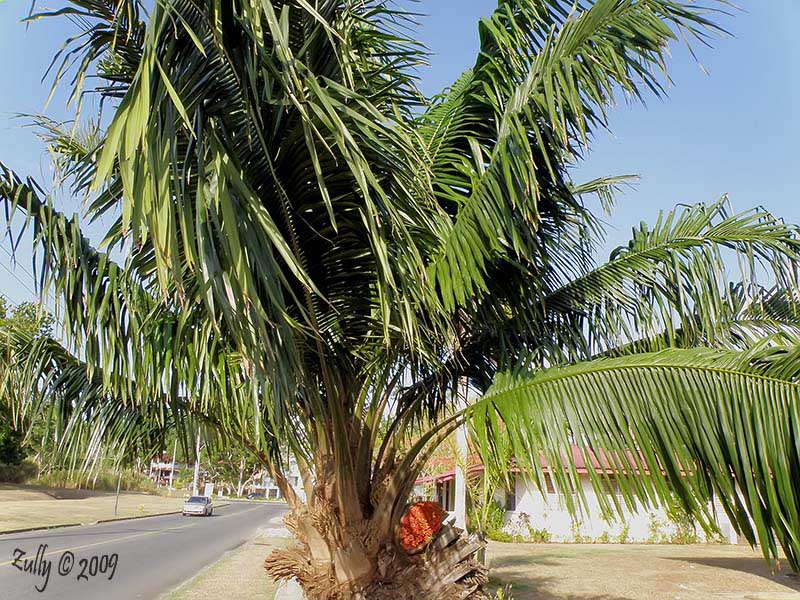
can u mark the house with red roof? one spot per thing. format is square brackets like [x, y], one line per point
[529, 509]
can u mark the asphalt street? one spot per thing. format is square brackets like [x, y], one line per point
[140, 558]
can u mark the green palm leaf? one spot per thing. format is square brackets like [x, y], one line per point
[510, 128]
[673, 277]
[677, 426]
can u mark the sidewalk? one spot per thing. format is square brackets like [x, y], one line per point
[289, 590]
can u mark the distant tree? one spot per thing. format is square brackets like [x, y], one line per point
[28, 318]
[11, 451]
[233, 470]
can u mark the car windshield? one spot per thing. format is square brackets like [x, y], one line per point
[200, 499]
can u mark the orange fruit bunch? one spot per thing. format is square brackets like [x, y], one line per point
[420, 524]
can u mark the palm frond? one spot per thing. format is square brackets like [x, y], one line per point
[138, 353]
[681, 425]
[109, 42]
[41, 382]
[674, 277]
[509, 129]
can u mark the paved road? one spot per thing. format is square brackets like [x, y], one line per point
[123, 560]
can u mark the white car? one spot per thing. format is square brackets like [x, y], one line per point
[198, 505]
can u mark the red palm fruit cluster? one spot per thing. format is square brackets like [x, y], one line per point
[420, 524]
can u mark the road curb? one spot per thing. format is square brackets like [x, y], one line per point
[111, 520]
[41, 528]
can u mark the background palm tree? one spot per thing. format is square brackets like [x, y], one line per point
[306, 253]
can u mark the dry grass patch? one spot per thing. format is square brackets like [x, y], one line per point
[238, 575]
[632, 572]
[27, 506]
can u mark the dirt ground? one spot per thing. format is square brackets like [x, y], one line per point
[556, 572]
[26, 506]
[634, 572]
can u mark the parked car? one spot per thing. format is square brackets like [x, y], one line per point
[255, 495]
[198, 505]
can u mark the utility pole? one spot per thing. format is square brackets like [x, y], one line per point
[172, 470]
[116, 500]
[196, 464]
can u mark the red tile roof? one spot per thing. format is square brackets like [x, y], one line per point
[600, 464]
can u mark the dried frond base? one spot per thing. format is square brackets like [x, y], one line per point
[445, 570]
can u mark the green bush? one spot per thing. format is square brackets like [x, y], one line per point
[685, 528]
[622, 538]
[522, 530]
[17, 473]
[539, 536]
[492, 520]
[12, 452]
[577, 537]
[656, 525]
[502, 536]
[105, 480]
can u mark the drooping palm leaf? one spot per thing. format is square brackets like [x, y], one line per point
[42, 382]
[681, 425]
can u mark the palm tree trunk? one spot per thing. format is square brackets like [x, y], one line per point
[357, 562]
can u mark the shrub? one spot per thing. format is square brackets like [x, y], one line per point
[657, 536]
[503, 536]
[12, 452]
[17, 473]
[105, 480]
[622, 538]
[577, 537]
[539, 536]
[685, 528]
[492, 520]
[520, 530]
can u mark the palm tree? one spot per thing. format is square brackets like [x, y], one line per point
[307, 253]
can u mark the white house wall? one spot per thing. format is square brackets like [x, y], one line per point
[293, 476]
[548, 512]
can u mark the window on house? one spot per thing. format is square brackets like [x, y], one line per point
[548, 482]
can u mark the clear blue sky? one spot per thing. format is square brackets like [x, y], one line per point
[734, 130]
